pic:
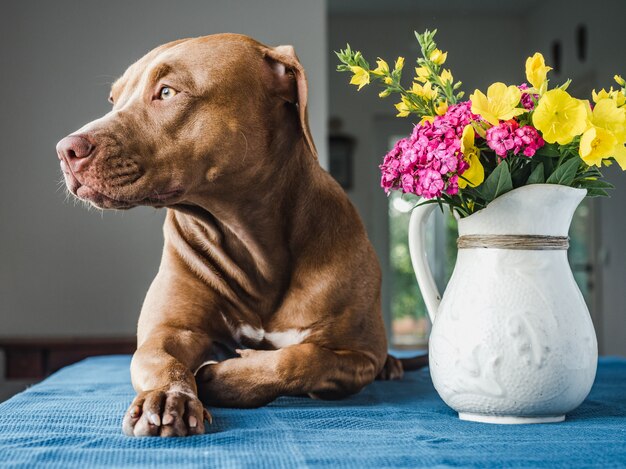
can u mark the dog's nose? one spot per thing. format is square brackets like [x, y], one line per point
[75, 150]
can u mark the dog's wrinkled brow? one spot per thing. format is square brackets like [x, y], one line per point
[159, 72]
[179, 78]
[176, 75]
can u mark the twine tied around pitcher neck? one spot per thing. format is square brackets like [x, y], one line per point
[517, 242]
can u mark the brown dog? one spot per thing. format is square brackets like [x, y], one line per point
[268, 285]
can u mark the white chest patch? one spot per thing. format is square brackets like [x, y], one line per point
[278, 339]
[286, 338]
[252, 333]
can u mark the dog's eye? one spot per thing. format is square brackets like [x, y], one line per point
[166, 92]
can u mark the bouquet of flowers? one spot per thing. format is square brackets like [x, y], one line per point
[467, 153]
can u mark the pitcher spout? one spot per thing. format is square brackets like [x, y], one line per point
[536, 209]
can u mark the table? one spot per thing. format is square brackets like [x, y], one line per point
[72, 420]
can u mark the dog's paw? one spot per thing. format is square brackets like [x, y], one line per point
[165, 412]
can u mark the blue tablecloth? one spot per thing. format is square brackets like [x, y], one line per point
[72, 420]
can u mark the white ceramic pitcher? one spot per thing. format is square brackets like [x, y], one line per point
[512, 339]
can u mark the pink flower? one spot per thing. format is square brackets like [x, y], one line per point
[509, 137]
[429, 162]
[390, 169]
[408, 183]
[500, 138]
[430, 184]
[527, 100]
[453, 185]
[528, 140]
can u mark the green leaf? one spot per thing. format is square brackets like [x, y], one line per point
[591, 172]
[520, 173]
[566, 173]
[426, 202]
[549, 149]
[536, 177]
[595, 184]
[599, 184]
[597, 193]
[497, 183]
[471, 192]
[549, 164]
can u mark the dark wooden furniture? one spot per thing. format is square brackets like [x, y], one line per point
[36, 358]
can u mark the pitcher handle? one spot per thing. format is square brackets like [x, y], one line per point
[419, 259]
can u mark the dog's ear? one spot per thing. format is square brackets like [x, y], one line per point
[291, 85]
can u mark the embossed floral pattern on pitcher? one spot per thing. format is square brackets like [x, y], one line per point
[512, 340]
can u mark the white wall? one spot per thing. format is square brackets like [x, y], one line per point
[64, 270]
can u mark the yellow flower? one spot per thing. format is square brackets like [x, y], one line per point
[360, 78]
[499, 104]
[620, 81]
[441, 108]
[536, 70]
[559, 117]
[403, 107]
[388, 80]
[427, 119]
[427, 92]
[446, 77]
[602, 94]
[595, 145]
[385, 93]
[382, 69]
[619, 153]
[399, 63]
[438, 57]
[475, 174]
[609, 122]
[421, 74]
[617, 95]
[607, 115]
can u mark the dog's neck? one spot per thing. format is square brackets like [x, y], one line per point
[253, 230]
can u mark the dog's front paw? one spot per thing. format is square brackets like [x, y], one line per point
[167, 411]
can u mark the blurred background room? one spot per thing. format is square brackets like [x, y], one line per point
[72, 280]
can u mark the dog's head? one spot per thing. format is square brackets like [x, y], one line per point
[195, 116]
